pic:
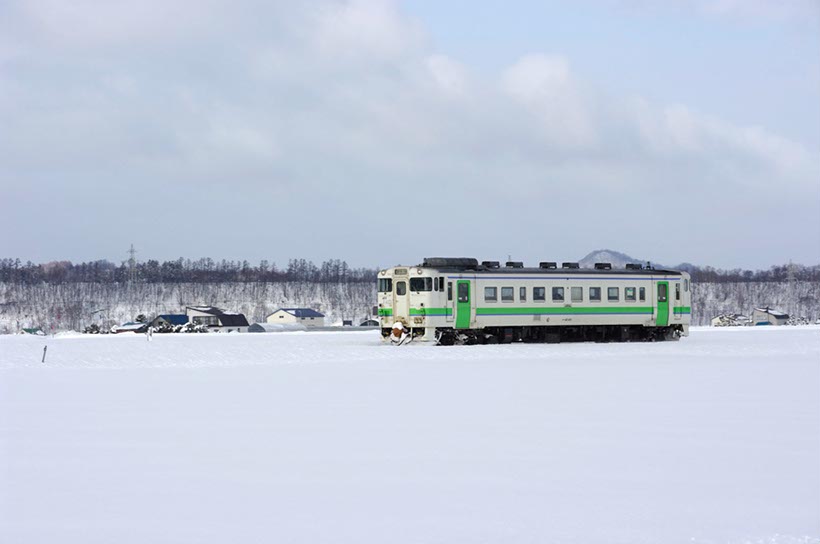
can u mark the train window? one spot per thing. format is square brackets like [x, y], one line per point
[449, 290]
[576, 294]
[677, 291]
[490, 294]
[642, 293]
[686, 285]
[613, 294]
[507, 294]
[385, 285]
[594, 294]
[662, 292]
[441, 283]
[558, 294]
[522, 294]
[539, 293]
[401, 288]
[421, 284]
[464, 292]
[435, 284]
[629, 293]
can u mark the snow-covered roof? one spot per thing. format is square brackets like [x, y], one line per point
[213, 310]
[233, 320]
[301, 312]
[775, 313]
[276, 327]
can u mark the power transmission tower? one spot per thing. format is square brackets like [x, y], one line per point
[132, 265]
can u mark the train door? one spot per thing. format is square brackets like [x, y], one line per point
[400, 299]
[662, 319]
[677, 305]
[463, 305]
[450, 305]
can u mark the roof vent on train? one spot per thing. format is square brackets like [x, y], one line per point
[603, 266]
[634, 266]
[548, 264]
[515, 264]
[450, 262]
[490, 264]
[570, 265]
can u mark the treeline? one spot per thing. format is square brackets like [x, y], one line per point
[205, 270]
[786, 272]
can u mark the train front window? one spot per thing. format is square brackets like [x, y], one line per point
[421, 284]
[385, 285]
[401, 288]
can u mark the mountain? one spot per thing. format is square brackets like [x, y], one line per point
[616, 258]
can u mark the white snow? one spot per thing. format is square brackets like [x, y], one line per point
[339, 438]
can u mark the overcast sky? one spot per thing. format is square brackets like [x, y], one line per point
[383, 132]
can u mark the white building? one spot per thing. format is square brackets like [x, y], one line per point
[767, 316]
[302, 316]
[730, 320]
[216, 320]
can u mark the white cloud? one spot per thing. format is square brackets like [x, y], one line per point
[348, 99]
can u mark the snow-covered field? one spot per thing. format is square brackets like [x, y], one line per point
[336, 438]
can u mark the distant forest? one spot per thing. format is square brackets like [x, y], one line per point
[208, 270]
[204, 270]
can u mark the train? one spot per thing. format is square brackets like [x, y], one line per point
[457, 300]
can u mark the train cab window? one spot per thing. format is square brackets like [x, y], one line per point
[595, 294]
[686, 285]
[421, 284]
[576, 294]
[629, 294]
[435, 284]
[539, 294]
[677, 291]
[558, 294]
[522, 294]
[449, 290]
[401, 288]
[642, 293]
[613, 294]
[464, 292]
[385, 285]
[507, 294]
[491, 294]
[663, 292]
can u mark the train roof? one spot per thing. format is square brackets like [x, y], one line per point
[466, 264]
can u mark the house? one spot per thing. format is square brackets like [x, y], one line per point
[169, 321]
[216, 320]
[767, 316]
[304, 316]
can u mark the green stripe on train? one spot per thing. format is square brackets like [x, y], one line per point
[563, 311]
[431, 311]
[683, 309]
[385, 312]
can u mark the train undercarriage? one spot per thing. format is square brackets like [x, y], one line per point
[549, 335]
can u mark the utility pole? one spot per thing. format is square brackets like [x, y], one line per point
[132, 265]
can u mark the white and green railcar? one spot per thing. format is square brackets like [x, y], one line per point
[458, 300]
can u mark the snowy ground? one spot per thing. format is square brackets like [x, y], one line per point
[336, 438]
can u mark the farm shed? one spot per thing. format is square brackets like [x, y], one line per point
[304, 316]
